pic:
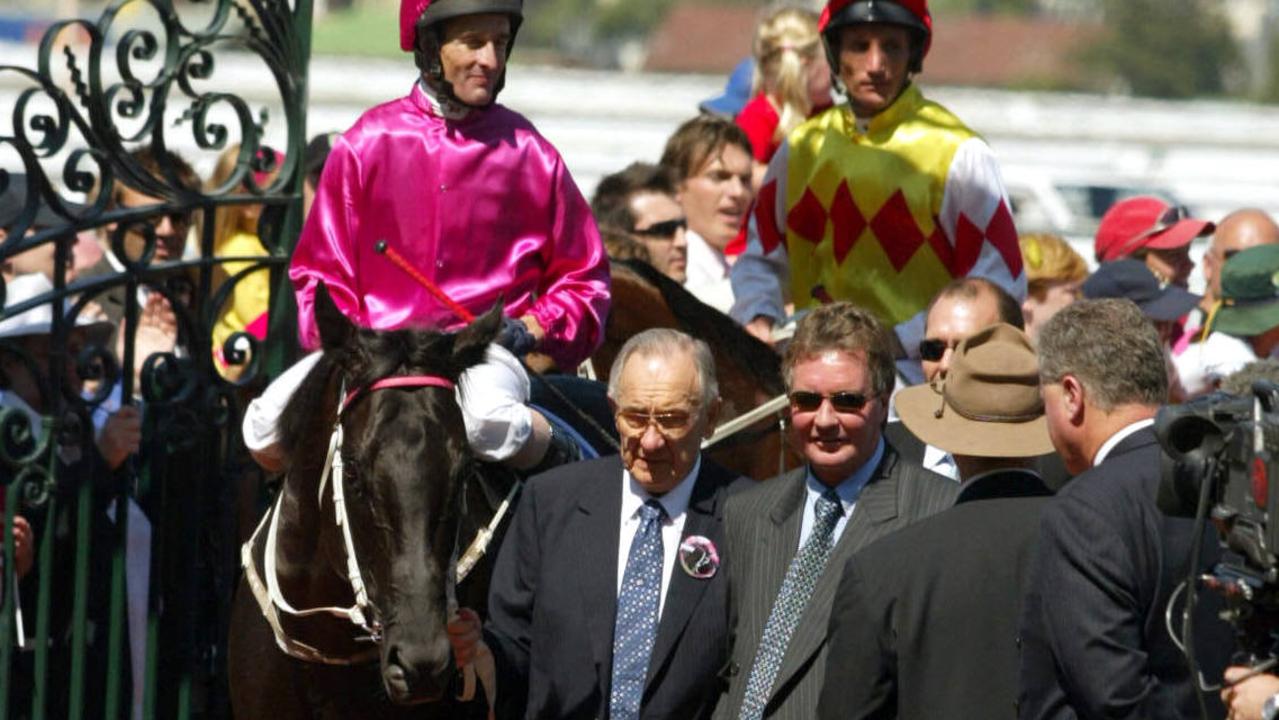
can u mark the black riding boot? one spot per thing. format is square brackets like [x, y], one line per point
[560, 451]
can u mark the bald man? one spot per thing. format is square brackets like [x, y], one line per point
[1237, 231]
[1201, 366]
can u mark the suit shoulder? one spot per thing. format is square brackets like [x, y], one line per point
[755, 497]
[566, 482]
[927, 491]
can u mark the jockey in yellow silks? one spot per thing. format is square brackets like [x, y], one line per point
[882, 200]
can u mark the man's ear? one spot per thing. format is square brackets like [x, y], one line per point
[1075, 396]
[712, 416]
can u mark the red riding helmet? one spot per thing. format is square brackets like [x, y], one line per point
[911, 14]
[424, 19]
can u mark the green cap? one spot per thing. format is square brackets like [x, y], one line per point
[1249, 292]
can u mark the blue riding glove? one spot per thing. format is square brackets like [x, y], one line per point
[515, 336]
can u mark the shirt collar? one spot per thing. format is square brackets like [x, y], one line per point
[704, 257]
[674, 502]
[432, 102]
[851, 487]
[1118, 437]
[905, 104]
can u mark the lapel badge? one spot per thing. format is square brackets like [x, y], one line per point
[698, 557]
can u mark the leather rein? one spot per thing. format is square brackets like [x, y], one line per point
[271, 599]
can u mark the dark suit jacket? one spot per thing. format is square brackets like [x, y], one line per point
[1094, 644]
[763, 526]
[1050, 467]
[924, 623]
[554, 597]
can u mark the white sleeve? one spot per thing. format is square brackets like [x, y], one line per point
[260, 417]
[761, 274]
[976, 217]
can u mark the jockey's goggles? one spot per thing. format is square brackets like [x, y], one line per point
[665, 229]
[844, 402]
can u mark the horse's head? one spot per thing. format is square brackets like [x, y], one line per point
[404, 457]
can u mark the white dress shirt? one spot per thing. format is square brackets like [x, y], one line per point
[848, 491]
[707, 271]
[675, 503]
[1118, 437]
[940, 462]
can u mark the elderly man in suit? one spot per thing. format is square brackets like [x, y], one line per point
[925, 620]
[785, 536]
[1094, 642]
[607, 599]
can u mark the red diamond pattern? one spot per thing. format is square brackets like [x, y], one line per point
[968, 241]
[1003, 235]
[765, 217]
[897, 231]
[847, 222]
[808, 218]
[941, 244]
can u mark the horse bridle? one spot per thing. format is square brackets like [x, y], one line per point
[359, 614]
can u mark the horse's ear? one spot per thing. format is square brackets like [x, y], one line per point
[472, 341]
[335, 328]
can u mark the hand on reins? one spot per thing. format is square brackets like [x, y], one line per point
[464, 636]
[1246, 692]
[516, 337]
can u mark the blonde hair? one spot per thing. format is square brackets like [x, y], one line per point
[1050, 259]
[785, 41]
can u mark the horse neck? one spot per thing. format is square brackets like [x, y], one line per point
[308, 540]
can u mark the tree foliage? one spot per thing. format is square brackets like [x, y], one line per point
[1167, 48]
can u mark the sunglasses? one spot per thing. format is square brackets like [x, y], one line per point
[665, 229]
[1171, 215]
[932, 349]
[844, 402]
[670, 421]
[176, 219]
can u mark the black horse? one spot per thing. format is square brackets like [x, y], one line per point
[413, 500]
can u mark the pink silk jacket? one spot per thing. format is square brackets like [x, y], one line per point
[483, 206]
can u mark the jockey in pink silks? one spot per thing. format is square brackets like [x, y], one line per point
[474, 198]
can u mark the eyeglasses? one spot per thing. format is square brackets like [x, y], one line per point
[932, 349]
[176, 219]
[665, 229]
[844, 402]
[670, 422]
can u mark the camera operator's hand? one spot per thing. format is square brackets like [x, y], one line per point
[1245, 699]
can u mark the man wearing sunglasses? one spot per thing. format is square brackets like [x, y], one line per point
[961, 308]
[642, 202]
[786, 535]
[608, 597]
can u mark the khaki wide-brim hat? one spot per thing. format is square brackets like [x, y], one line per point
[988, 405]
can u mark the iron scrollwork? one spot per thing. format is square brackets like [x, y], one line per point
[105, 130]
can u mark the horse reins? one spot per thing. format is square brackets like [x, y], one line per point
[269, 595]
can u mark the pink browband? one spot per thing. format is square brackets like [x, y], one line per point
[399, 381]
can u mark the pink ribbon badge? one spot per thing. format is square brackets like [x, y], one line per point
[698, 557]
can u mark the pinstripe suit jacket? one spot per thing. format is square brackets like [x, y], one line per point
[761, 538]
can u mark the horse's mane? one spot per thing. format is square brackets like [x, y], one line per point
[719, 330]
[370, 356]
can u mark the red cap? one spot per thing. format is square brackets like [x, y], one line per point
[410, 12]
[1145, 223]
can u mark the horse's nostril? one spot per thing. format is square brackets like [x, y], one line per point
[399, 677]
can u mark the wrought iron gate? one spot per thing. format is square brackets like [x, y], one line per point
[100, 123]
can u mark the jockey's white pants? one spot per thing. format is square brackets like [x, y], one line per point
[493, 397]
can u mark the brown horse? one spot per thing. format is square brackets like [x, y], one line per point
[366, 534]
[749, 371]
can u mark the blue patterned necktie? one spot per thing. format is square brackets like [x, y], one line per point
[797, 587]
[636, 625]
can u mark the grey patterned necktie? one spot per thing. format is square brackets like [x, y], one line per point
[797, 587]
[636, 624]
